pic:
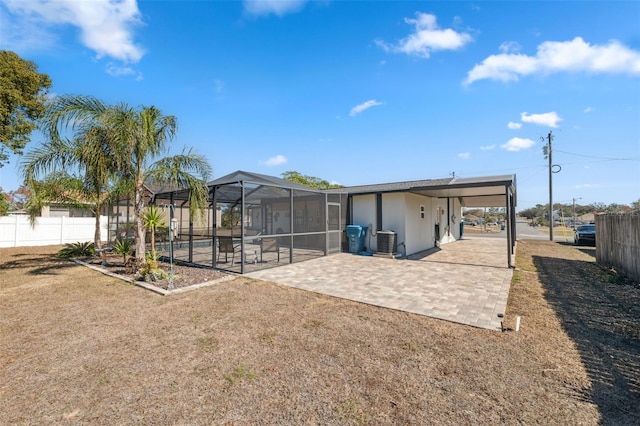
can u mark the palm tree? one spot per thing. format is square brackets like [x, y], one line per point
[144, 134]
[113, 147]
[152, 219]
[91, 152]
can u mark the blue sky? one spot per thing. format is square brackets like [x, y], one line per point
[361, 92]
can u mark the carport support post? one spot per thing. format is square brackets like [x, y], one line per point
[214, 232]
[291, 211]
[508, 222]
[512, 206]
[241, 227]
[549, 153]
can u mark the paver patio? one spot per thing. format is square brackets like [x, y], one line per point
[466, 281]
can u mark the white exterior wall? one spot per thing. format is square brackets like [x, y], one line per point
[401, 214]
[449, 231]
[364, 214]
[419, 230]
[16, 231]
[394, 215]
[456, 209]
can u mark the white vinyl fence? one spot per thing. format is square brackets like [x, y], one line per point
[16, 231]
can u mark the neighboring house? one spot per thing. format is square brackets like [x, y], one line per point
[58, 210]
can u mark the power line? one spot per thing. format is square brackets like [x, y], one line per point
[599, 158]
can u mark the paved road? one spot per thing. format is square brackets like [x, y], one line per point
[526, 232]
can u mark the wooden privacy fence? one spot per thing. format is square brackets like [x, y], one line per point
[16, 231]
[618, 242]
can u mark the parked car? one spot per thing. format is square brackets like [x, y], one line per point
[585, 234]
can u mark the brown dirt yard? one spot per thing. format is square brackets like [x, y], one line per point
[81, 347]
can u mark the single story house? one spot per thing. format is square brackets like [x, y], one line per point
[249, 212]
[426, 213]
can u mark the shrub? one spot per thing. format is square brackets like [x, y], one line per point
[123, 248]
[149, 271]
[78, 249]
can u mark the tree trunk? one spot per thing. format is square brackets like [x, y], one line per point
[139, 237]
[97, 243]
[153, 241]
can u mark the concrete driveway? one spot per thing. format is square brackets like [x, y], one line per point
[466, 281]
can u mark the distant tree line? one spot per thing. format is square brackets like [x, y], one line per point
[488, 215]
[310, 181]
[541, 211]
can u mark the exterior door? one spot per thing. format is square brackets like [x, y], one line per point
[334, 228]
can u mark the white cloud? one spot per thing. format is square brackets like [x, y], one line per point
[277, 7]
[549, 119]
[513, 125]
[363, 106]
[588, 109]
[426, 38]
[559, 56]
[115, 70]
[488, 147]
[106, 26]
[517, 144]
[22, 35]
[276, 161]
[589, 186]
[509, 46]
[464, 155]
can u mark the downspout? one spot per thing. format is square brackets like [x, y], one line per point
[379, 211]
[448, 217]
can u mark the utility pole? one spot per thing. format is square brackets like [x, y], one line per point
[548, 153]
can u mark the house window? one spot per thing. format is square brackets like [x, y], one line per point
[421, 212]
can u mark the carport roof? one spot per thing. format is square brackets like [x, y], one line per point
[486, 191]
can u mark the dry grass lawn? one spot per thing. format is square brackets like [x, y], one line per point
[81, 347]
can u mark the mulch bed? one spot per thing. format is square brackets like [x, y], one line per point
[184, 276]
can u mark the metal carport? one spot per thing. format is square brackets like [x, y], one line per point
[488, 191]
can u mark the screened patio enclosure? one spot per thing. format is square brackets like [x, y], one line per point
[254, 222]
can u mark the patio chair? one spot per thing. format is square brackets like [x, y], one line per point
[226, 246]
[269, 245]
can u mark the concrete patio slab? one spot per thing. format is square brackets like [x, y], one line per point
[466, 281]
